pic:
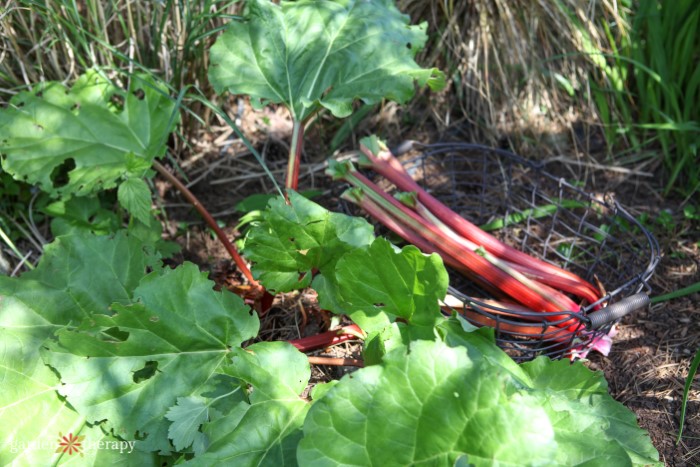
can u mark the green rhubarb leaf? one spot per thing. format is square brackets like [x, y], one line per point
[295, 239]
[265, 430]
[93, 271]
[35, 421]
[130, 368]
[62, 291]
[314, 54]
[78, 276]
[428, 403]
[382, 279]
[590, 426]
[135, 196]
[84, 139]
[480, 344]
[31, 413]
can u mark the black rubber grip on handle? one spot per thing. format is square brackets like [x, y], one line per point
[618, 310]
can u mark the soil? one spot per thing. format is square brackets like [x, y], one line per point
[651, 355]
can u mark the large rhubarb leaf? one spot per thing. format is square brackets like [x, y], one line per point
[319, 53]
[78, 276]
[130, 368]
[295, 239]
[266, 429]
[463, 400]
[35, 421]
[428, 404]
[84, 139]
[589, 425]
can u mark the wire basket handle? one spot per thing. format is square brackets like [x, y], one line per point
[618, 310]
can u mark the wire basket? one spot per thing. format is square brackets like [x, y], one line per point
[551, 219]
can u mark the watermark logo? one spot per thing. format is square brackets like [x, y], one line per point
[70, 444]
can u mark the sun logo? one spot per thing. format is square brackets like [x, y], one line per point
[70, 444]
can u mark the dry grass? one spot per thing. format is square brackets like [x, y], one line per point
[58, 40]
[519, 70]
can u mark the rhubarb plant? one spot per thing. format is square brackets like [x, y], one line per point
[311, 55]
[79, 142]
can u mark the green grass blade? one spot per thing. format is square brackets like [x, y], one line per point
[533, 213]
[11, 245]
[688, 382]
[677, 293]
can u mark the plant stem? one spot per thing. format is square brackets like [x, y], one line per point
[292, 180]
[483, 270]
[209, 221]
[384, 163]
[314, 360]
[507, 267]
[326, 339]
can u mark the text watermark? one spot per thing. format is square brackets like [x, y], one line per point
[70, 444]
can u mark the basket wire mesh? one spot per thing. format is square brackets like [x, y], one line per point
[548, 218]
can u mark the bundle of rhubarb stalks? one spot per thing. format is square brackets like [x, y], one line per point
[529, 297]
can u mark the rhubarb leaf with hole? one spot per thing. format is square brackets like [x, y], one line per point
[315, 54]
[85, 139]
[265, 429]
[295, 239]
[130, 368]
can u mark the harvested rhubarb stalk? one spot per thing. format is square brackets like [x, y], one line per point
[380, 159]
[501, 270]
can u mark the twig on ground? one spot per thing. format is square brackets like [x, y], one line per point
[314, 360]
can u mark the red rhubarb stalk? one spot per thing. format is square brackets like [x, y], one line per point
[383, 162]
[562, 300]
[292, 180]
[468, 258]
[412, 237]
[559, 282]
[327, 339]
